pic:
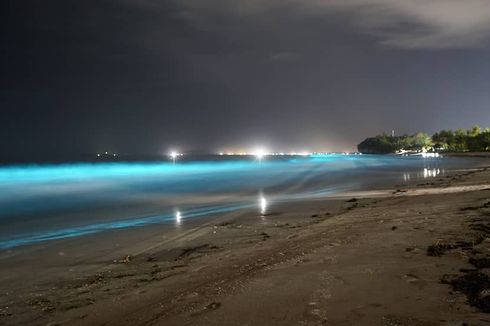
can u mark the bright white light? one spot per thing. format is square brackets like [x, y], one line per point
[431, 173]
[259, 153]
[263, 205]
[174, 155]
[178, 217]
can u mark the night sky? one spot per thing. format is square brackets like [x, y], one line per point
[145, 76]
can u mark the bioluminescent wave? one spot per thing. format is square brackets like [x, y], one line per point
[47, 202]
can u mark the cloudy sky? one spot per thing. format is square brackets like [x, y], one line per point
[143, 76]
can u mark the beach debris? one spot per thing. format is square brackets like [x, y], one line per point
[439, 249]
[125, 260]
[476, 287]
[398, 191]
[480, 262]
[96, 279]
[45, 304]
[469, 208]
[4, 312]
[353, 200]
[213, 306]
[393, 228]
[264, 236]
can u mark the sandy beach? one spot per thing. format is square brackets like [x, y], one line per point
[245, 163]
[412, 255]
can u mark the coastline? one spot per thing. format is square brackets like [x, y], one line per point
[357, 259]
[469, 154]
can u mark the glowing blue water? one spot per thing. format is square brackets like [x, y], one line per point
[39, 203]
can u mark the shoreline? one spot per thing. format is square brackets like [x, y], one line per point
[469, 154]
[327, 262]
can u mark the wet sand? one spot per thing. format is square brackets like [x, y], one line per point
[413, 255]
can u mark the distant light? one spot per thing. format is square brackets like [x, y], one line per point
[174, 155]
[106, 153]
[425, 154]
[259, 153]
[98, 155]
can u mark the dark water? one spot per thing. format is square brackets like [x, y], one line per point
[40, 203]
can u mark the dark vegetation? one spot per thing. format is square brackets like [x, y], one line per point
[475, 139]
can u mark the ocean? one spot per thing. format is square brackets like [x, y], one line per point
[46, 202]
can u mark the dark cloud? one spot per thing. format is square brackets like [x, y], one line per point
[415, 24]
[148, 75]
[412, 24]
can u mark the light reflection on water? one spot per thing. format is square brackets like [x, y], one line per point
[39, 203]
[263, 205]
[426, 173]
[431, 173]
[178, 218]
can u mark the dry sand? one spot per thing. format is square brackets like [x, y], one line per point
[418, 255]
